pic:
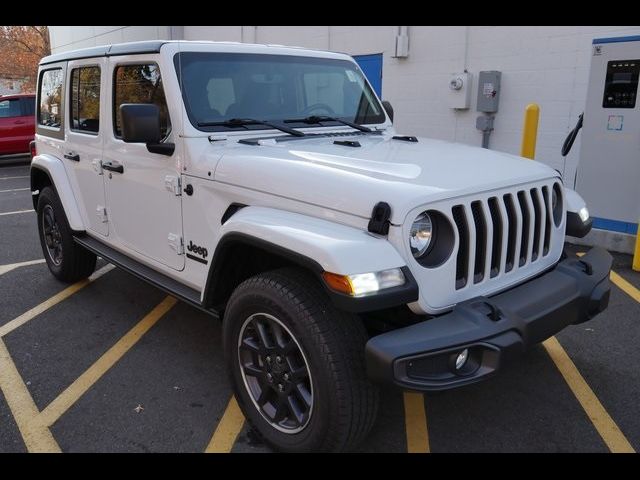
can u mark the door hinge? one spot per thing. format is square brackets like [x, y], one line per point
[173, 184]
[101, 212]
[176, 243]
[97, 166]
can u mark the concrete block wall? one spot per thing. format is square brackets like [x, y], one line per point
[548, 65]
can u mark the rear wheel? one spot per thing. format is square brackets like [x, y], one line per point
[297, 364]
[66, 260]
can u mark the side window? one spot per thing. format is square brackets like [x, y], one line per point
[29, 106]
[139, 84]
[85, 99]
[10, 108]
[50, 98]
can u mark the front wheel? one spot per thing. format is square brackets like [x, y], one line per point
[297, 364]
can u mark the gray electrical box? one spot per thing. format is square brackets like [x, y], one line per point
[488, 91]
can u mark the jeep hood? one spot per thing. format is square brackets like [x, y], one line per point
[353, 179]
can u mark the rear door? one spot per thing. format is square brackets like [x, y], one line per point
[13, 125]
[83, 148]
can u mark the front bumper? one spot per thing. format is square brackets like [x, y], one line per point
[494, 330]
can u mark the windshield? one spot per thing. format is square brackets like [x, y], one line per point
[217, 87]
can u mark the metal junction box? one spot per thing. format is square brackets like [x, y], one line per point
[488, 91]
[608, 175]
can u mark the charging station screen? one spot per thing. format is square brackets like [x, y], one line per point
[621, 84]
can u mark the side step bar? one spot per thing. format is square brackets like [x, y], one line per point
[149, 275]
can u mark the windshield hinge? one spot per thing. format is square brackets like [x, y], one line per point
[173, 184]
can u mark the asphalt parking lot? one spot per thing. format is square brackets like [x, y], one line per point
[114, 365]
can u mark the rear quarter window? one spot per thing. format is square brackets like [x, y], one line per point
[50, 106]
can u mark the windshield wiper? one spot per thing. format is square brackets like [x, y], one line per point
[243, 122]
[323, 118]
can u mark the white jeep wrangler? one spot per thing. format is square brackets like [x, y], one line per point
[266, 186]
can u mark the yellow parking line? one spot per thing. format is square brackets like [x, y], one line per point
[16, 212]
[47, 304]
[73, 392]
[625, 286]
[37, 438]
[12, 266]
[227, 430]
[602, 421]
[415, 420]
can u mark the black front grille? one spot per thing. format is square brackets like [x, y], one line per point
[523, 217]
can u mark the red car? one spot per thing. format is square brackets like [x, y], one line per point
[17, 123]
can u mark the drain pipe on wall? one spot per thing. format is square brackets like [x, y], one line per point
[484, 123]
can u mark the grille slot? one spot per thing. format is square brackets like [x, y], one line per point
[501, 234]
[462, 259]
[537, 223]
[547, 222]
[524, 237]
[496, 223]
[481, 241]
[512, 231]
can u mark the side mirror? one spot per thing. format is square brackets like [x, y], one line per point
[388, 108]
[141, 124]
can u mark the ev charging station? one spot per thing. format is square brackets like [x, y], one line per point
[608, 175]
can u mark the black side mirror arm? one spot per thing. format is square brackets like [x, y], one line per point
[388, 108]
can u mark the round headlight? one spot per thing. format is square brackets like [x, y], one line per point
[420, 234]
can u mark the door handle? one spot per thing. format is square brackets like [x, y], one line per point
[113, 167]
[72, 156]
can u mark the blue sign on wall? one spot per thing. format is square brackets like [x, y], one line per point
[371, 65]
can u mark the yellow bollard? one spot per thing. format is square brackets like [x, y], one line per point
[530, 131]
[636, 255]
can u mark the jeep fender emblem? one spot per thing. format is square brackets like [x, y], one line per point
[197, 250]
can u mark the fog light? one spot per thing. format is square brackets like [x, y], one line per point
[461, 359]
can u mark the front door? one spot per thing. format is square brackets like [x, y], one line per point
[83, 148]
[143, 203]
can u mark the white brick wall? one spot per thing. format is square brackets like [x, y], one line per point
[547, 65]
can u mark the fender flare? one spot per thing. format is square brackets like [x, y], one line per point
[55, 170]
[317, 245]
[575, 226]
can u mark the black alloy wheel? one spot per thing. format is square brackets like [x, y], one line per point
[276, 373]
[52, 235]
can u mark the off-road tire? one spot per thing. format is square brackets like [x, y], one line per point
[76, 262]
[345, 402]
